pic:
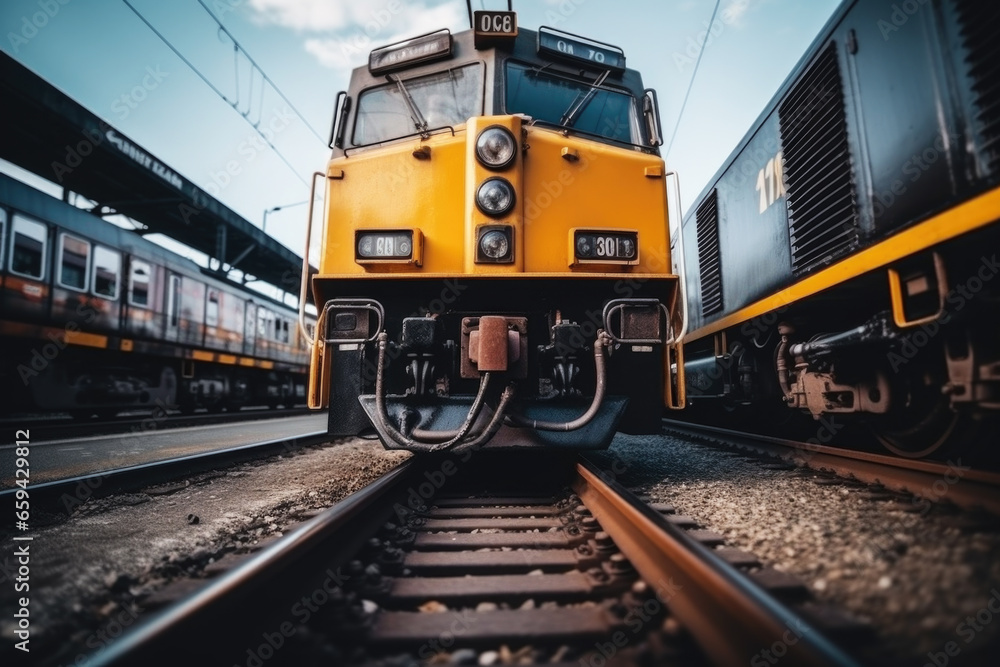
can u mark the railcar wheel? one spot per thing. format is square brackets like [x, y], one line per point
[931, 432]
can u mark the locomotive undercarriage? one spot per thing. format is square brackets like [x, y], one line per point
[84, 382]
[920, 387]
[454, 379]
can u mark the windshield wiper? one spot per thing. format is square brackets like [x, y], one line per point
[418, 118]
[577, 107]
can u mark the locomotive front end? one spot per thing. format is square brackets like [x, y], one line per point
[494, 264]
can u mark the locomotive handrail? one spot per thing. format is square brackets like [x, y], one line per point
[304, 281]
[678, 338]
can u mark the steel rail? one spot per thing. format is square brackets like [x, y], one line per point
[208, 624]
[951, 482]
[732, 619]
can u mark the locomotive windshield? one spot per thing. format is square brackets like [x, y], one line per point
[555, 99]
[397, 109]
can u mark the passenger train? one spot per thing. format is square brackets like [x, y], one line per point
[494, 255]
[94, 320]
[843, 262]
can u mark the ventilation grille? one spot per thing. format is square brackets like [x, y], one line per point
[709, 262]
[822, 209]
[979, 21]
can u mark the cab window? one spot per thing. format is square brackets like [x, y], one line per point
[443, 99]
[568, 102]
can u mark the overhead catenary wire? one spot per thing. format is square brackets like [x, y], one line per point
[263, 74]
[215, 89]
[697, 62]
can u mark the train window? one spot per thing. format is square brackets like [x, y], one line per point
[212, 308]
[567, 102]
[74, 262]
[138, 283]
[282, 330]
[443, 99]
[107, 267]
[27, 252]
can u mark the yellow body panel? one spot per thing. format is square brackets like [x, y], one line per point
[604, 187]
[391, 188]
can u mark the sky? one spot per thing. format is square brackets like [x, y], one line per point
[103, 55]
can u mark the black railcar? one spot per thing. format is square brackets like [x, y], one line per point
[842, 263]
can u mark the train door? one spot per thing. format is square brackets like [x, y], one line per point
[250, 328]
[173, 312]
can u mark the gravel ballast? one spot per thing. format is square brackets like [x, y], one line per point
[921, 575]
[100, 570]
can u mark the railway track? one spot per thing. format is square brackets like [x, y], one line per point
[52, 495]
[951, 481]
[544, 560]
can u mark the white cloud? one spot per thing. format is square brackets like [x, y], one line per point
[733, 12]
[358, 27]
[305, 14]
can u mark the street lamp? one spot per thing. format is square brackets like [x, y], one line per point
[278, 208]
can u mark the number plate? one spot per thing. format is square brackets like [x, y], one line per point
[495, 24]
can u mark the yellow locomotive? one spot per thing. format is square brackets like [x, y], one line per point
[495, 262]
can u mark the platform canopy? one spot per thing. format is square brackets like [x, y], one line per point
[51, 135]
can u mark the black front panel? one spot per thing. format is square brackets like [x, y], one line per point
[822, 209]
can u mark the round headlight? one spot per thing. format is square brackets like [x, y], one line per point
[584, 247]
[494, 244]
[495, 196]
[496, 147]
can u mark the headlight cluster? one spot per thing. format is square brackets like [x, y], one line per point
[494, 244]
[495, 196]
[496, 149]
